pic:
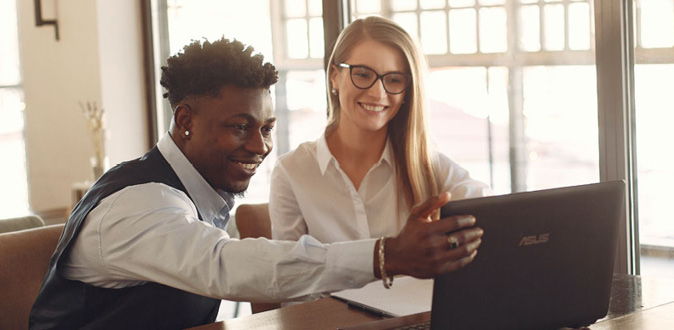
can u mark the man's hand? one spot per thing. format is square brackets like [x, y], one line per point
[423, 248]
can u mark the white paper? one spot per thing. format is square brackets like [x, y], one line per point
[407, 296]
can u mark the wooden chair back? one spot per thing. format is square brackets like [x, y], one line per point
[252, 221]
[24, 257]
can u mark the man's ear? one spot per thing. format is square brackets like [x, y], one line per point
[182, 116]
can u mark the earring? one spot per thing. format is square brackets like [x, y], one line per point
[334, 91]
[187, 133]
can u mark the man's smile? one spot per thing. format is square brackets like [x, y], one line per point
[247, 166]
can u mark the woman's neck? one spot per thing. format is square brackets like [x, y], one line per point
[356, 150]
[357, 143]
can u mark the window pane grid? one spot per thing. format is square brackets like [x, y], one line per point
[563, 25]
[469, 12]
[566, 26]
[303, 23]
[569, 29]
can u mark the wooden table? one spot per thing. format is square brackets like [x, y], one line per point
[655, 318]
[636, 303]
[326, 313]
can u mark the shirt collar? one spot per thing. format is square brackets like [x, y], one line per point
[210, 203]
[324, 156]
[387, 155]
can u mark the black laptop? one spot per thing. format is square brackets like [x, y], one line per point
[546, 260]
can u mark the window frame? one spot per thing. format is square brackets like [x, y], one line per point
[614, 45]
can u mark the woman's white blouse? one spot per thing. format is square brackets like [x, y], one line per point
[310, 194]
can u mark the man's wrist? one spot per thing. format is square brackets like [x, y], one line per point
[375, 260]
[390, 252]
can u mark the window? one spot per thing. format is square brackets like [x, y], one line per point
[654, 108]
[298, 55]
[14, 190]
[303, 21]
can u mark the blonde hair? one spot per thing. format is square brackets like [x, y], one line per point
[407, 130]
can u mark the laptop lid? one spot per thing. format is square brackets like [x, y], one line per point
[546, 260]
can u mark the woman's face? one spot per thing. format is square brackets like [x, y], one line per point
[372, 108]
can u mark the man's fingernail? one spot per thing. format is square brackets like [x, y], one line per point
[469, 220]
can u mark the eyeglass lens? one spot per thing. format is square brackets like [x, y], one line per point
[363, 77]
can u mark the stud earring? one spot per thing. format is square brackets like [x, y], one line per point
[187, 133]
[334, 91]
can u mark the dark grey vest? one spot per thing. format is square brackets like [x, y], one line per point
[66, 304]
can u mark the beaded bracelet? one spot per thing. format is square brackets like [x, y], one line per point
[387, 280]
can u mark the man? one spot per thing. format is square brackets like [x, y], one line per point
[144, 248]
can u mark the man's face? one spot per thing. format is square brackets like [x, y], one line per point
[229, 135]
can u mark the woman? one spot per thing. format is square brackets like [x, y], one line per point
[373, 163]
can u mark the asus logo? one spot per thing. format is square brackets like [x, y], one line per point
[533, 239]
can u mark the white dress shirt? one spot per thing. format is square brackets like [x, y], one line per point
[310, 194]
[151, 232]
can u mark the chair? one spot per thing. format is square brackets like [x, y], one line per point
[24, 257]
[20, 223]
[253, 221]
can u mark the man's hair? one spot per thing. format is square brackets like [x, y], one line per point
[204, 68]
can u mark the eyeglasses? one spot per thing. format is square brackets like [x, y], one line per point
[364, 77]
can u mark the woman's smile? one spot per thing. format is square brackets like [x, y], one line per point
[373, 107]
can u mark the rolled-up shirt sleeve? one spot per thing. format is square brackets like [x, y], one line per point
[129, 239]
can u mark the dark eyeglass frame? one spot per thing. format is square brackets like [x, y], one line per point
[379, 77]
